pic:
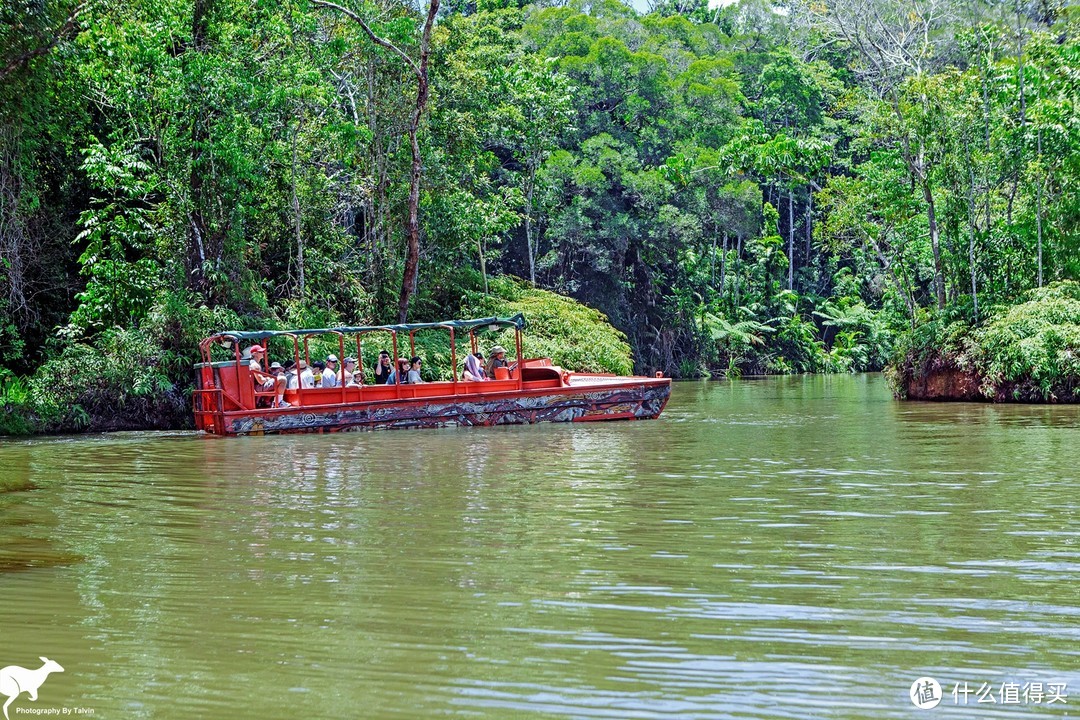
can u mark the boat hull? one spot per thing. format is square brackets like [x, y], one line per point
[630, 401]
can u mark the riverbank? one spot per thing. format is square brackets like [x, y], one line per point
[1028, 353]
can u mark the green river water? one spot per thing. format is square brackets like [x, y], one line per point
[781, 548]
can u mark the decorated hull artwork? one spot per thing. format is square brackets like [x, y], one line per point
[234, 397]
[636, 403]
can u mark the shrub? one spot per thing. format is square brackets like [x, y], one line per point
[1032, 350]
[573, 335]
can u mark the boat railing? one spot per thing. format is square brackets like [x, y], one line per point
[231, 382]
[210, 420]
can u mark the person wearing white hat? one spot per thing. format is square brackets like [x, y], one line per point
[352, 377]
[329, 373]
[307, 378]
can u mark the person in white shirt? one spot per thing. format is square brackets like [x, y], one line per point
[329, 374]
[295, 378]
[307, 378]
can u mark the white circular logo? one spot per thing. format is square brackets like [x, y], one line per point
[925, 693]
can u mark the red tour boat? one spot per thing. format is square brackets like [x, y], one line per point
[228, 400]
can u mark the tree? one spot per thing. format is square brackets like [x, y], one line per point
[537, 110]
[420, 71]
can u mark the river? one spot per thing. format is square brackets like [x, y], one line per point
[800, 547]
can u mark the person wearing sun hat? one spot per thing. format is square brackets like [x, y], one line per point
[497, 360]
[307, 377]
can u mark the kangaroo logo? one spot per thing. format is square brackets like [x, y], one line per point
[15, 680]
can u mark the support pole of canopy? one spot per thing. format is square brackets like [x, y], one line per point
[517, 340]
[453, 359]
[359, 362]
[236, 352]
[396, 365]
[296, 368]
[341, 365]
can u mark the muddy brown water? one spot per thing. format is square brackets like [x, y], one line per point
[777, 548]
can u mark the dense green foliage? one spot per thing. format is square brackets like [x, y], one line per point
[571, 334]
[758, 188]
[1028, 352]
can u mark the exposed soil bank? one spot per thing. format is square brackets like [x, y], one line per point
[940, 379]
[944, 384]
[1028, 352]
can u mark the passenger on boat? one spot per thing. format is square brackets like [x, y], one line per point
[498, 360]
[266, 381]
[307, 378]
[474, 368]
[278, 372]
[383, 370]
[401, 372]
[414, 371]
[316, 375]
[353, 378]
[297, 375]
[329, 375]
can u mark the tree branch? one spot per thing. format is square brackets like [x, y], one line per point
[61, 33]
[381, 42]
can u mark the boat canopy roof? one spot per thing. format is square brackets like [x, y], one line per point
[515, 321]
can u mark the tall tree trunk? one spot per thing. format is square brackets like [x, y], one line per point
[723, 265]
[971, 242]
[791, 240]
[197, 229]
[529, 246]
[412, 251]
[1039, 197]
[712, 258]
[483, 262]
[916, 164]
[420, 70]
[1038, 226]
[809, 216]
[412, 248]
[13, 231]
[738, 278]
[297, 225]
[935, 244]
